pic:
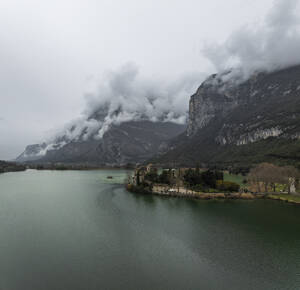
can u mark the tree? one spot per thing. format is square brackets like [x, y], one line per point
[192, 177]
[227, 186]
[206, 179]
[164, 177]
[209, 178]
[269, 175]
[151, 176]
[290, 174]
[219, 175]
[266, 174]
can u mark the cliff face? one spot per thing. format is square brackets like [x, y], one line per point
[211, 100]
[261, 107]
[231, 115]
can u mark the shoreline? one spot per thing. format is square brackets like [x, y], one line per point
[289, 198]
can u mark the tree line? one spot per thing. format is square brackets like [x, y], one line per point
[266, 177]
[195, 179]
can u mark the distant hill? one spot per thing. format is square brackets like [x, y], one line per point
[242, 122]
[129, 142]
[10, 167]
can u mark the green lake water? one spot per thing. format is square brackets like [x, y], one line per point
[79, 230]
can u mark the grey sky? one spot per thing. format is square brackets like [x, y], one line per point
[49, 51]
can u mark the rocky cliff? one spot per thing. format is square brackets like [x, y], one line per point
[229, 117]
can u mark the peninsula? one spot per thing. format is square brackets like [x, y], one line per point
[266, 181]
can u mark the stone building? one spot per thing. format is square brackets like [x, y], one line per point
[140, 173]
[176, 176]
[138, 176]
[292, 185]
[151, 168]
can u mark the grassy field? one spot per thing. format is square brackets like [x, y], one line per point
[235, 178]
[286, 197]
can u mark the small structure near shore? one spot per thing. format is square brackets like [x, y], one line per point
[140, 173]
[292, 184]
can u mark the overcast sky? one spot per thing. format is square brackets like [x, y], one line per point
[51, 49]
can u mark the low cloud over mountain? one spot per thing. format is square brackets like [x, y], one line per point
[270, 45]
[125, 95]
[127, 118]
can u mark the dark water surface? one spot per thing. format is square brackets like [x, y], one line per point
[77, 230]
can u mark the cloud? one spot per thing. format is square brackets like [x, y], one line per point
[125, 95]
[272, 45]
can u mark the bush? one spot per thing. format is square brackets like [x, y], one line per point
[209, 178]
[227, 186]
[164, 177]
[198, 188]
[61, 167]
[206, 178]
[138, 189]
[153, 177]
[192, 177]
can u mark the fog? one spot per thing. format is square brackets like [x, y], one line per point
[124, 95]
[271, 44]
[62, 61]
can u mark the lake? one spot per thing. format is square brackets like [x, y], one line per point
[80, 230]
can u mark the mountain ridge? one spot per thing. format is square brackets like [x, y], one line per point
[228, 119]
[129, 142]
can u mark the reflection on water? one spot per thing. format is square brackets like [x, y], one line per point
[79, 230]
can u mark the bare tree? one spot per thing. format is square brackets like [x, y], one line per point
[290, 174]
[268, 175]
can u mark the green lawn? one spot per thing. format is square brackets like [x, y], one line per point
[235, 178]
[286, 197]
[281, 187]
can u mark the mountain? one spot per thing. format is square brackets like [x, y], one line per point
[32, 152]
[241, 122]
[128, 142]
